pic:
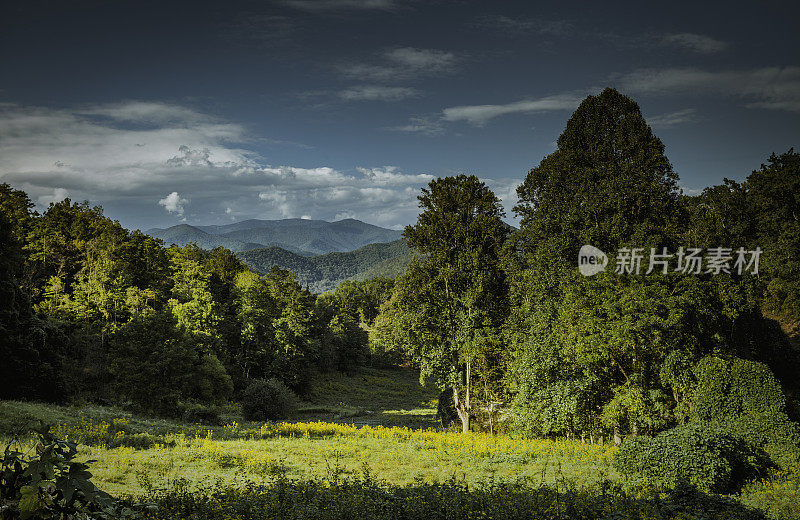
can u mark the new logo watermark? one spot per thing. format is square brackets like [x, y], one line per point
[591, 260]
[686, 260]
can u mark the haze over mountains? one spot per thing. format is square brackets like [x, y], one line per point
[321, 254]
[325, 272]
[301, 236]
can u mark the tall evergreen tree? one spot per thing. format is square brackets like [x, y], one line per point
[588, 353]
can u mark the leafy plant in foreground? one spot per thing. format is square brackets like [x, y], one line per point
[51, 484]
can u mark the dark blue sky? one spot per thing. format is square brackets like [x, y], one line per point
[215, 112]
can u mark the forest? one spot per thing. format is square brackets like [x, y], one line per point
[325, 272]
[692, 374]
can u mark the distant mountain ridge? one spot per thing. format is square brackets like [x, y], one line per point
[325, 272]
[300, 236]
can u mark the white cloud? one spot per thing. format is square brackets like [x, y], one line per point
[342, 5]
[173, 203]
[188, 157]
[391, 175]
[545, 29]
[695, 42]
[278, 200]
[537, 26]
[479, 114]
[671, 119]
[403, 63]
[344, 215]
[377, 93]
[428, 126]
[33, 139]
[422, 59]
[145, 112]
[776, 88]
[126, 167]
[58, 195]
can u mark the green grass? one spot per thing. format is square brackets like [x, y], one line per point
[194, 456]
[388, 397]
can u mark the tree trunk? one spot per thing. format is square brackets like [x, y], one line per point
[463, 407]
[462, 411]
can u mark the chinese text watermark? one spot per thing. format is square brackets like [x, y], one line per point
[686, 260]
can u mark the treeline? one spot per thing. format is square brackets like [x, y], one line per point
[94, 311]
[504, 319]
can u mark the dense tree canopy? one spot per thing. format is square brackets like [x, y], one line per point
[615, 353]
[98, 311]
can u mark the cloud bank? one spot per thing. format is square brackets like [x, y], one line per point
[145, 162]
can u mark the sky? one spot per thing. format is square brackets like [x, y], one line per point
[215, 112]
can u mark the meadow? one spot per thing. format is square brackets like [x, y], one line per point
[337, 444]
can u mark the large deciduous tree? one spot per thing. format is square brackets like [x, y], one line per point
[453, 295]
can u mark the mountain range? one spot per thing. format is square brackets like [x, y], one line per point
[325, 272]
[303, 237]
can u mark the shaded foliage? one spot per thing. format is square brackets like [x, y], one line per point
[710, 458]
[367, 499]
[267, 399]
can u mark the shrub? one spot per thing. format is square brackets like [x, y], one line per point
[200, 413]
[703, 456]
[267, 399]
[452, 500]
[744, 398]
[155, 363]
[774, 433]
[730, 388]
[138, 441]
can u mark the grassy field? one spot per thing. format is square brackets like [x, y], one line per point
[388, 397]
[377, 425]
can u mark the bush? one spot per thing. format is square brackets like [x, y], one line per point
[709, 458]
[138, 441]
[730, 388]
[155, 363]
[199, 413]
[744, 398]
[267, 399]
[774, 433]
[451, 500]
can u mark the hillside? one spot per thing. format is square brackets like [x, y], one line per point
[301, 236]
[324, 272]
